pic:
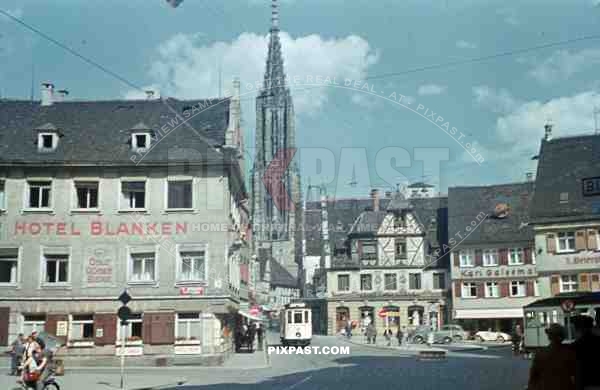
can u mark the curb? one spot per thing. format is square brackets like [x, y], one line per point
[416, 351]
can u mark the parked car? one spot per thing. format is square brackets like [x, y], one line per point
[445, 335]
[490, 335]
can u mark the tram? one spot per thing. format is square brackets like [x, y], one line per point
[296, 324]
[541, 313]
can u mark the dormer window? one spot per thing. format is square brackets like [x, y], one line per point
[140, 141]
[47, 141]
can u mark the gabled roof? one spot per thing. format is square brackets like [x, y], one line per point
[368, 222]
[280, 277]
[563, 164]
[99, 131]
[467, 207]
[420, 184]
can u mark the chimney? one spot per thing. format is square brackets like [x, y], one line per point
[47, 94]
[62, 95]
[548, 132]
[375, 197]
[149, 94]
[388, 194]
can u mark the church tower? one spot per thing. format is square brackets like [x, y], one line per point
[276, 195]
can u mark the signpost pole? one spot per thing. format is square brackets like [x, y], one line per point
[568, 315]
[123, 335]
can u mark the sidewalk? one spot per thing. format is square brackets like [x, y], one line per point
[413, 348]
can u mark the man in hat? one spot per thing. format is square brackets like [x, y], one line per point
[587, 349]
[553, 367]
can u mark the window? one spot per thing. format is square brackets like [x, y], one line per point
[516, 256]
[9, 264]
[87, 195]
[391, 282]
[414, 281]
[566, 241]
[2, 196]
[491, 290]
[536, 288]
[33, 322]
[399, 221]
[439, 281]
[143, 267]
[466, 258]
[133, 195]
[469, 290]
[192, 266]
[297, 317]
[400, 250]
[133, 329]
[82, 327]
[179, 194]
[57, 268]
[564, 197]
[140, 141]
[490, 257]
[343, 282]
[39, 194]
[369, 250]
[517, 289]
[366, 282]
[189, 326]
[568, 283]
[47, 142]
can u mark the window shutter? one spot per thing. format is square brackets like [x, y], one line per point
[555, 284]
[580, 240]
[595, 282]
[4, 324]
[504, 289]
[527, 255]
[503, 256]
[478, 258]
[108, 324]
[592, 239]
[52, 324]
[457, 289]
[160, 329]
[550, 243]
[147, 328]
[530, 289]
[456, 258]
[480, 290]
[584, 282]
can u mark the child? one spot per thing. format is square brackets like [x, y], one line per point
[30, 370]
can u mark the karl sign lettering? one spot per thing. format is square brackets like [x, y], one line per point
[497, 273]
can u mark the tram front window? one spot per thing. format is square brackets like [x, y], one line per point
[297, 317]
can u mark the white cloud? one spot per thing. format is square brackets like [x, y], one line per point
[509, 15]
[496, 101]
[135, 94]
[185, 67]
[466, 45]
[431, 89]
[562, 64]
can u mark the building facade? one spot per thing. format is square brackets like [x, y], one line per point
[566, 214]
[390, 272]
[493, 258]
[100, 197]
[276, 196]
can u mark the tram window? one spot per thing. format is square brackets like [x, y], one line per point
[554, 317]
[289, 320]
[298, 317]
[306, 317]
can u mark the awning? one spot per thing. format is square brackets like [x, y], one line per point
[488, 313]
[249, 316]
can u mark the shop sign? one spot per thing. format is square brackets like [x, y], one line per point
[129, 351]
[491, 273]
[101, 228]
[188, 350]
[191, 291]
[577, 260]
[99, 266]
[62, 328]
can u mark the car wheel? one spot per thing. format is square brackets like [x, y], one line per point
[479, 339]
[500, 339]
[458, 338]
[418, 340]
[51, 386]
[447, 340]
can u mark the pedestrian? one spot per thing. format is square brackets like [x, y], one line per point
[388, 337]
[259, 334]
[587, 349]
[517, 337]
[399, 336]
[553, 367]
[16, 354]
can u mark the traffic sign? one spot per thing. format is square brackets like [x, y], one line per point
[124, 298]
[382, 313]
[567, 305]
[124, 313]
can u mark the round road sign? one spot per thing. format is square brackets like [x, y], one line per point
[124, 313]
[567, 305]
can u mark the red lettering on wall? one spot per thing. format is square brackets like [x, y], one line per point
[137, 229]
[152, 228]
[74, 230]
[20, 228]
[95, 228]
[36, 230]
[49, 226]
[123, 229]
[180, 228]
[60, 229]
[166, 228]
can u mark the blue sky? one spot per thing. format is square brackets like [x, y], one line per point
[500, 106]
